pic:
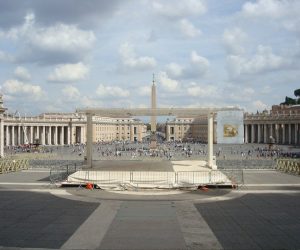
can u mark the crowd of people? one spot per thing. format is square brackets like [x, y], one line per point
[165, 150]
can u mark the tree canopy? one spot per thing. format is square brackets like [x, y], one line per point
[293, 101]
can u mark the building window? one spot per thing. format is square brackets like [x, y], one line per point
[172, 130]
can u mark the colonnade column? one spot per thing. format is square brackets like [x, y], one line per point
[7, 135]
[296, 133]
[50, 136]
[89, 139]
[19, 135]
[31, 134]
[258, 133]
[13, 135]
[252, 133]
[43, 136]
[290, 134]
[55, 135]
[265, 133]
[283, 133]
[38, 133]
[276, 133]
[246, 134]
[69, 135]
[62, 135]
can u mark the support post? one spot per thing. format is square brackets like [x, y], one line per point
[1, 136]
[89, 140]
[210, 140]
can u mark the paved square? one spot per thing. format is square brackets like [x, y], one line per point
[255, 221]
[39, 220]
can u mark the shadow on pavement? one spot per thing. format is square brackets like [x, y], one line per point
[39, 220]
[255, 221]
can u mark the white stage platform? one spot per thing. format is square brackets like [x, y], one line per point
[183, 174]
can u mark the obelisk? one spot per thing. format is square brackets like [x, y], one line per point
[153, 116]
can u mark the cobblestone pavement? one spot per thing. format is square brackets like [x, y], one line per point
[36, 215]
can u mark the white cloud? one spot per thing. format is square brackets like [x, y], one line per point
[130, 60]
[188, 29]
[240, 93]
[69, 73]
[144, 91]
[197, 67]
[259, 105]
[265, 8]
[64, 41]
[17, 88]
[179, 8]
[233, 40]
[167, 83]
[174, 69]
[71, 92]
[197, 90]
[264, 60]
[22, 73]
[5, 57]
[200, 63]
[106, 91]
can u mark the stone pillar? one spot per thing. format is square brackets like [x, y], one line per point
[43, 141]
[31, 134]
[210, 140]
[246, 134]
[265, 132]
[50, 136]
[84, 135]
[55, 135]
[296, 133]
[89, 140]
[252, 133]
[258, 133]
[69, 135]
[276, 133]
[62, 135]
[38, 133]
[283, 134]
[19, 134]
[7, 135]
[13, 135]
[290, 134]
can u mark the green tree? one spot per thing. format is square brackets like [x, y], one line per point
[297, 94]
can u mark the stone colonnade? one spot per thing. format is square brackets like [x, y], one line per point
[60, 134]
[282, 133]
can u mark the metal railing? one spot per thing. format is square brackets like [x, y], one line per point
[60, 173]
[13, 165]
[160, 179]
[291, 166]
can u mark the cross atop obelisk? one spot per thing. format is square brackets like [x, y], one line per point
[153, 117]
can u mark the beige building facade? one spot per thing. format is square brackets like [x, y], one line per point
[188, 129]
[67, 128]
[280, 125]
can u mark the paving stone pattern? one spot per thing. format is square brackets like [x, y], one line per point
[144, 225]
[39, 220]
[255, 221]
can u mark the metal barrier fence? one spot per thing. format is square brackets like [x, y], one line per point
[61, 173]
[13, 165]
[159, 179]
[289, 166]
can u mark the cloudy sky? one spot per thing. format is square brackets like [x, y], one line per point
[61, 55]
